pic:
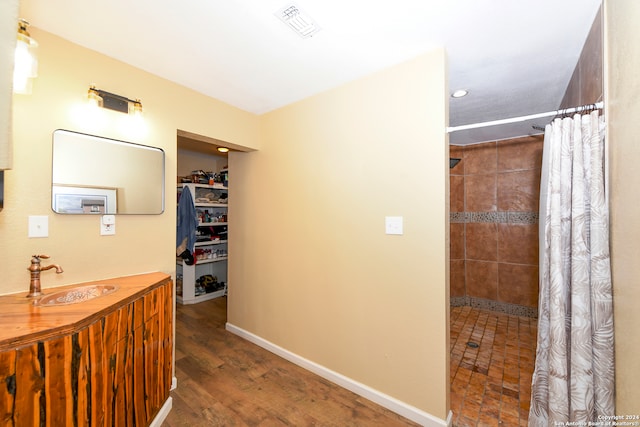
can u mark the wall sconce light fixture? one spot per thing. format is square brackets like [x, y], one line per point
[104, 99]
[25, 67]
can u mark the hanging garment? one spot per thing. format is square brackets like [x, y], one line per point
[186, 225]
[573, 379]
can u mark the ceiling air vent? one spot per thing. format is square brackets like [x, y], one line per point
[298, 21]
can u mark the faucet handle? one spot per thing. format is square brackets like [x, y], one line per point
[36, 258]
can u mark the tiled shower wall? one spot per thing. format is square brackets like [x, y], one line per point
[586, 84]
[494, 225]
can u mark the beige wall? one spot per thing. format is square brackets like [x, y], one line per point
[623, 109]
[192, 160]
[142, 243]
[311, 269]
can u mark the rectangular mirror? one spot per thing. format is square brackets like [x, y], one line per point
[96, 175]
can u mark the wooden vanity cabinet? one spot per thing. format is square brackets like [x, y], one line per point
[115, 371]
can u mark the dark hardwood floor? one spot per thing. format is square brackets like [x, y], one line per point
[224, 380]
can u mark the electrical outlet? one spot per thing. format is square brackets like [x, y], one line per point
[107, 225]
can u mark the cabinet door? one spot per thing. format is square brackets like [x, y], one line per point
[116, 371]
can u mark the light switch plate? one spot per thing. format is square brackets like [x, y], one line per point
[38, 226]
[393, 225]
[107, 225]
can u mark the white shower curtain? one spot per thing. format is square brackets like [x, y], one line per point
[574, 371]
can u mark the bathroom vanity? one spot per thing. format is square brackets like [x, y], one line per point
[106, 360]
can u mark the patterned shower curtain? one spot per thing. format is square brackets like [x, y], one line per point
[574, 371]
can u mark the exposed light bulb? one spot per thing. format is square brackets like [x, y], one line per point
[136, 108]
[26, 61]
[95, 100]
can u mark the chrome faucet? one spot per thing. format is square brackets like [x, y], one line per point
[35, 269]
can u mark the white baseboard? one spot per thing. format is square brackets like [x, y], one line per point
[163, 413]
[408, 411]
[174, 383]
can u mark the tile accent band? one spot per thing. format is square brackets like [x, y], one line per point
[501, 217]
[501, 307]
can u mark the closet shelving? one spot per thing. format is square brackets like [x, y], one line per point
[211, 244]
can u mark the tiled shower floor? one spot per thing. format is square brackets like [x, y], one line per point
[491, 384]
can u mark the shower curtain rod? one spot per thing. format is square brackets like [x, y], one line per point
[597, 105]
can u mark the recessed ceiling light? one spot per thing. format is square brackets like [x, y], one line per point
[223, 149]
[460, 93]
[298, 21]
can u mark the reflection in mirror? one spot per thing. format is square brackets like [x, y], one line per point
[96, 175]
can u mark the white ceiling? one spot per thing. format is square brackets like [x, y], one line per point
[515, 57]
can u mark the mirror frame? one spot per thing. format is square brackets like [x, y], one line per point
[82, 189]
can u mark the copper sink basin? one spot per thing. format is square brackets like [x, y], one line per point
[75, 295]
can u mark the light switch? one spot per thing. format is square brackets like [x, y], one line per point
[38, 226]
[107, 225]
[393, 225]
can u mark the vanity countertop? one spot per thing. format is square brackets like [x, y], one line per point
[23, 322]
